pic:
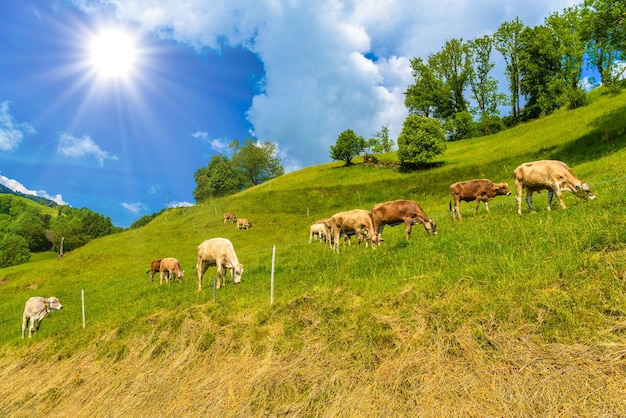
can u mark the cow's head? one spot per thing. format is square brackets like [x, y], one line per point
[374, 238]
[503, 189]
[53, 304]
[237, 272]
[584, 191]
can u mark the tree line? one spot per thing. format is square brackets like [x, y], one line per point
[455, 96]
[24, 229]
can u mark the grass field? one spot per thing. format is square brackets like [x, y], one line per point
[497, 315]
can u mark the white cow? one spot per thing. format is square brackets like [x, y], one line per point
[320, 231]
[169, 267]
[35, 310]
[221, 253]
[552, 175]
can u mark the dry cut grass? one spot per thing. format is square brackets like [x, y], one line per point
[202, 369]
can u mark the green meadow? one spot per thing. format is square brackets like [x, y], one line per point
[496, 315]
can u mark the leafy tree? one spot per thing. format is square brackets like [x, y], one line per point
[13, 250]
[427, 94]
[421, 140]
[459, 126]
[604, 26]
[483, 87]
[508, 43]
[30, 226]
[451, 66]
[348, 146]
[95, 225]
[382, 142]
[218, 179]
[540, 65]
[255, 162]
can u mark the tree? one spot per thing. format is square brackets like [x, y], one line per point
[540, 65]
[348, 146]
[13, 250]
[425, 96]
[421, 140]
[508, 43]
[451, 66]
[605, 30]
[218, 179]
[382, 143]
[483, 87]
[255, 162]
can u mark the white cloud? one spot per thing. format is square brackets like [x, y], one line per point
[11, 132]
[178, 204]
[134, 208]
[16, 186]
[200, 135]
[73, 147]
[329, 65]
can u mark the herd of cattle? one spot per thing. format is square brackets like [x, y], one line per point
[551, 175]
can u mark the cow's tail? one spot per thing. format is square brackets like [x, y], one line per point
[450, 203]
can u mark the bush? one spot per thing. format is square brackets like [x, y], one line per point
[421, 140]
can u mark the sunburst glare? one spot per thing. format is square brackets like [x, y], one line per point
[113, 54]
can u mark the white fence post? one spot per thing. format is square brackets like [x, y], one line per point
[272, 276]
[82, 296]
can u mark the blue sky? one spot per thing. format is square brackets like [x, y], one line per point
[204, 73]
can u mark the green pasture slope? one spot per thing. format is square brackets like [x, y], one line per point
[497, 315]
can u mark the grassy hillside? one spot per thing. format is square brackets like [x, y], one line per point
[497, 315]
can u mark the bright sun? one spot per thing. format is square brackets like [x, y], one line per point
[112, 53]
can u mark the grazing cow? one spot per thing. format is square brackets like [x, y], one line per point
[320, 231]
[35, 310]
[171, 267]
[243, 223]
[478, 190]
[397, 211]
[357, 221]
[221, 253]
[230, 217]
[155, 267]
[554, 176]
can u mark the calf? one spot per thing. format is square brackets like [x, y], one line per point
[169, 267]
[475, 190]
[357, 221]
[398, 211]
[230, 217]
[35, 310]
[221, 253]
[554, 176]
[243, 223]
[155, 267]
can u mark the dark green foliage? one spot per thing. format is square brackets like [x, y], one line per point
[218, 179]
[421, 140]
[255, 162]
[13, 250]
[348, 146]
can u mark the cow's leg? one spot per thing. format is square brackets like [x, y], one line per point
[161, 277]
[518, 195]
[457, 204]
[476, 205]
[201, 269]
[24, 324]
[529, 199]
[486, 206]
[408, 224]
[220, 273]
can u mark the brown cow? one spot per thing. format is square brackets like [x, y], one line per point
[554, 176]
[170, 266]
[397, 211]
[357, 221]
[155, 267]
[478, 190]
[230, 217]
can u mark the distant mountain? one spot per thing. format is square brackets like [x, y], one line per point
[40, 200]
